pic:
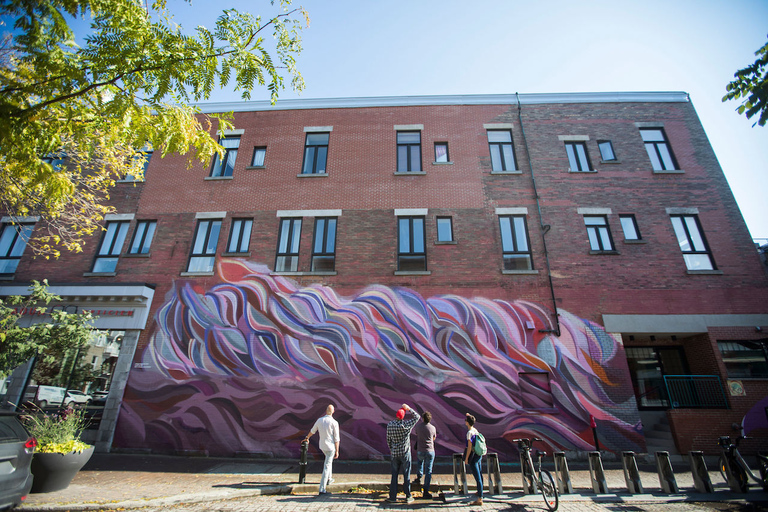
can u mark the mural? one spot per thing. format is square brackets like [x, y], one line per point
[249, 364]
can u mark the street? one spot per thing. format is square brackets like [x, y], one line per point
[348, 502]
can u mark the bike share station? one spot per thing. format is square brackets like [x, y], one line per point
[536, 480]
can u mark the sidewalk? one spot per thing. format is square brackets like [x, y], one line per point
[132, 481]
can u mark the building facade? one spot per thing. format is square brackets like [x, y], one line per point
[537, 260]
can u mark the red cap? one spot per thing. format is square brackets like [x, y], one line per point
[400, 414]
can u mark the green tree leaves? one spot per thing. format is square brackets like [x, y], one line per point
[126, 89]
[751, 87]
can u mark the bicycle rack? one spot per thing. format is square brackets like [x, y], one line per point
[701, 480]
[562, 474]
[631, 474]
[458, 469]
[666, 475]
[494, 474]
[597, 474]
[528, 486]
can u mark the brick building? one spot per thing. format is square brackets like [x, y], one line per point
[534, 259]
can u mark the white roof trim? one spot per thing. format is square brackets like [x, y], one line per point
[464, 99]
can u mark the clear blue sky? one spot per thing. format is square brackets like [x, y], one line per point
[412, 47]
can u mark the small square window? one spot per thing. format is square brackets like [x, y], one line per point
[444, 229]
[259, 154]
[441, 153]
[606, 151]
[629, 226]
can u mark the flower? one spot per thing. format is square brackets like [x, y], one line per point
[58, 432]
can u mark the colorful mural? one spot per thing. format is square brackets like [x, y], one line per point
[249, 364]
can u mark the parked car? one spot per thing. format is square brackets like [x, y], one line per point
[44, 395]
[100, 398]
[16, 449]
[77, 397]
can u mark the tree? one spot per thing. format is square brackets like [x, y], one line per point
[100, 105]
[751, 86]
[63, 331]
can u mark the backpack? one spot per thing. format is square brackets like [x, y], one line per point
[479, 446]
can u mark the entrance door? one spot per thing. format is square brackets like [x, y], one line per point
[648, 366]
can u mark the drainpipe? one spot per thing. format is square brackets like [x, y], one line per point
[544, 227]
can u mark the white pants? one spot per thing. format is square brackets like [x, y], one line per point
[327, 469]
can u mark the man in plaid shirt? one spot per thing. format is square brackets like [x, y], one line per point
[399, 442]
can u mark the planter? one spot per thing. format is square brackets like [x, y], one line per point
[55, 471]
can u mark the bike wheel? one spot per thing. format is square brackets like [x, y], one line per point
[721, 468]
[549, 490]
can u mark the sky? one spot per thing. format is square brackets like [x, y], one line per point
[361, 48]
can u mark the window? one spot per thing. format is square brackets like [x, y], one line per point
[578, 158]
[599, 233]
[259, 154]
[111, 245]
[658, 149]
[206, 239]
[516, 251]
[288, 246]
[441, 153]
[502, 153]
[142, 237]
[744, 359]
[239, 236]
[408, 151]
[225, 166]
[315, 153]
[692, 242]
[606, 151]
[13, 240]
[324, 245]
[411, 254]
[629, 226]
[444, 229]
[146, 156]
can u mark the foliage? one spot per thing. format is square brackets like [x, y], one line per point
[58, 432]
[18, 343]
[123, 91]
[751, 86]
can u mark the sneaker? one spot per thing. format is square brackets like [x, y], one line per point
[409, 499]
[427, 496]
[478, 501]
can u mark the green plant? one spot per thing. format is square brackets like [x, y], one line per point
[58, 432]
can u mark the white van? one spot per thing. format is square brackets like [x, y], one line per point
[44, 395]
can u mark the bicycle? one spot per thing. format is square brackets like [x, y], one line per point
[537, 477]
[738, 466]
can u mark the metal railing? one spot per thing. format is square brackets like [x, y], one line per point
[695, 392]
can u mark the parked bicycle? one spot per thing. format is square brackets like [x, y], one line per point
[738, 466]
[536, 477]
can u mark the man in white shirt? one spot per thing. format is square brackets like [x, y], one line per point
[329, 443]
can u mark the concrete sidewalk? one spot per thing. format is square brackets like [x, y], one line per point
[112, 481]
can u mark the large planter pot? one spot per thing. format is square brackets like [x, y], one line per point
[55, 471]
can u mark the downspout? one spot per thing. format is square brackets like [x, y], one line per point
[544, 227]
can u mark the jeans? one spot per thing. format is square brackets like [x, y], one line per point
[327, 469]
[476, 467]
[401, 465]
[424, 467]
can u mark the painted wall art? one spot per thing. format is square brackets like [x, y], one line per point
[247, 365]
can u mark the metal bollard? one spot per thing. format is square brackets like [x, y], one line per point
[597, 474]
[528, 487]
[701, 480]
[666, 475]
[631, 474]
[562, 474]
[303, 462]
[494, 474]
[459, 469]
